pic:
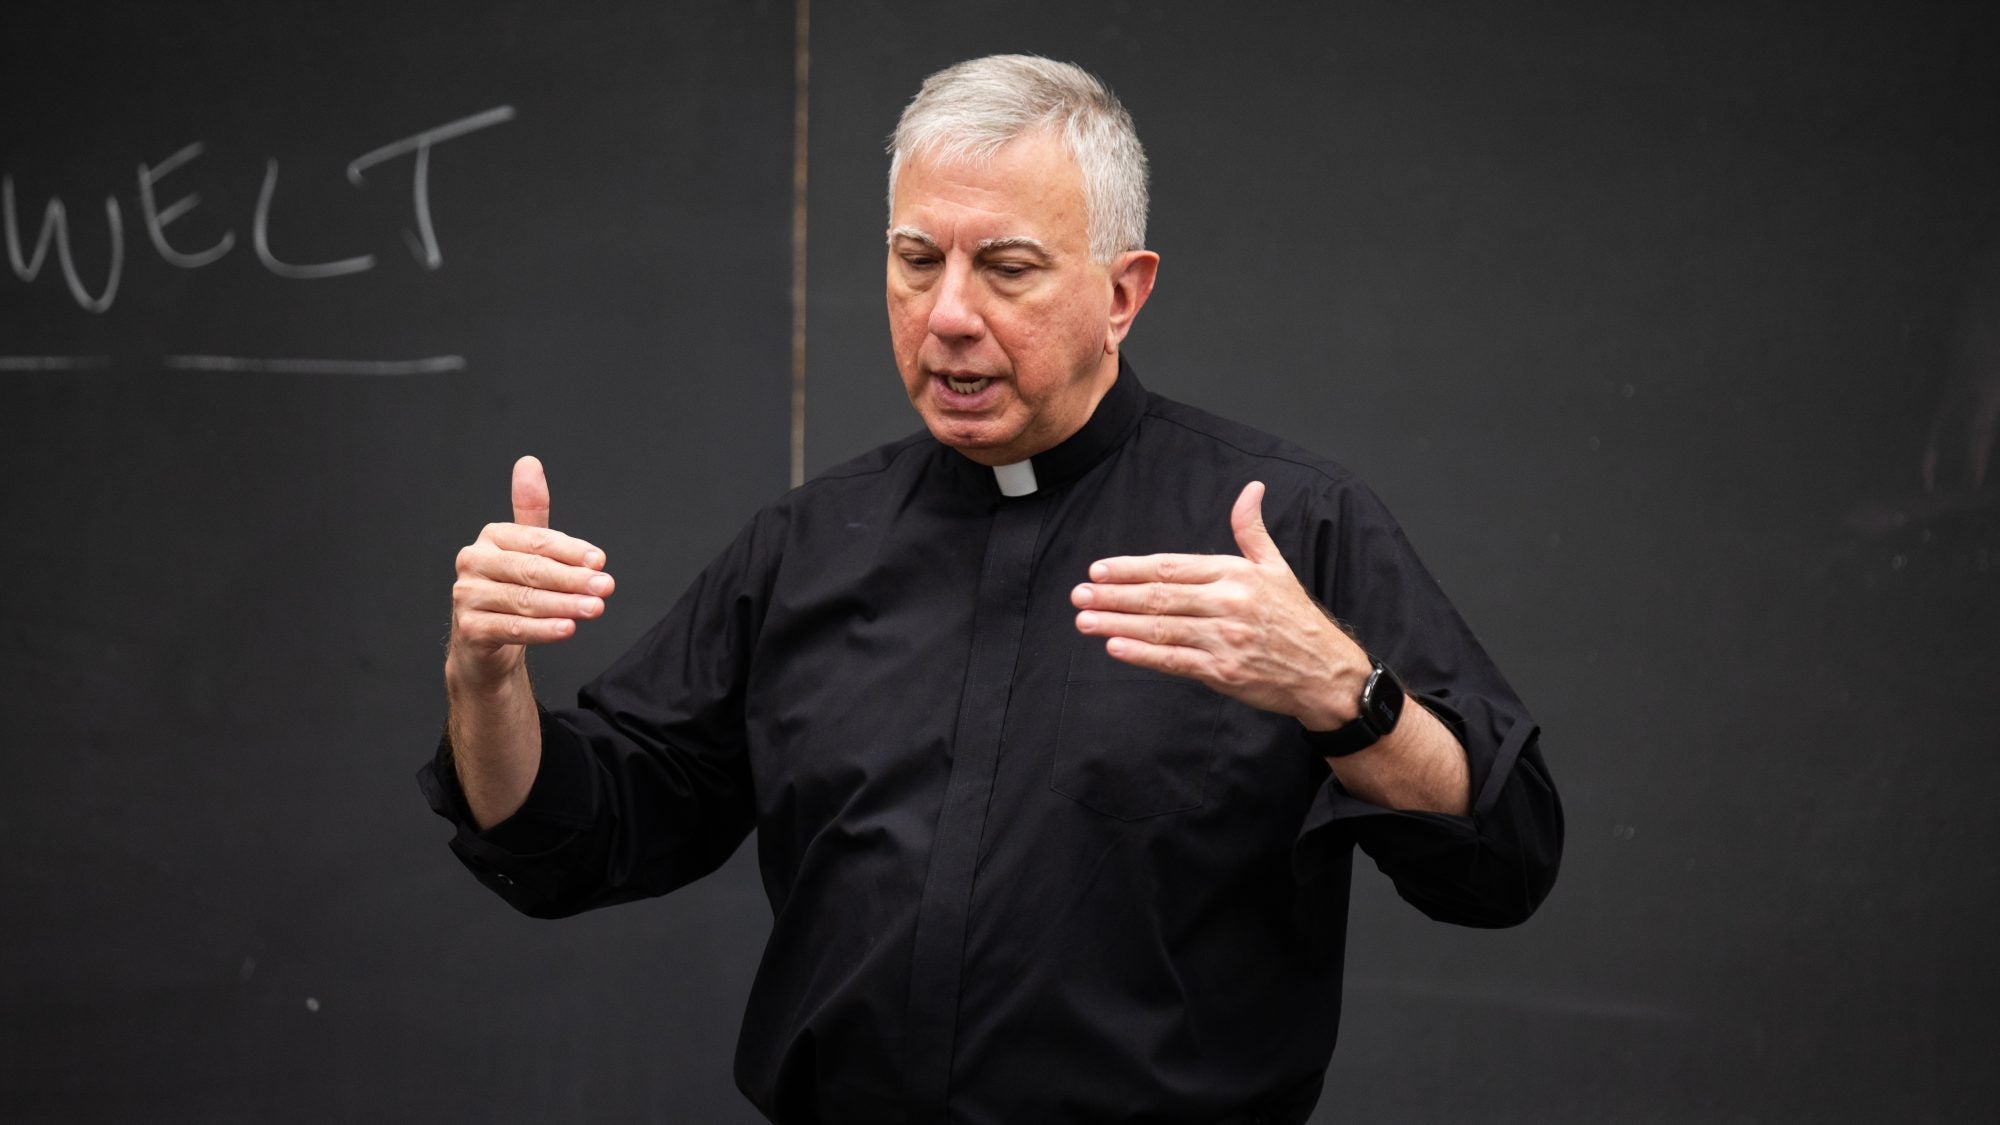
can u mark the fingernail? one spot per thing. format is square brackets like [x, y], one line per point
[1099, 572]
[589, 607]
[599, 585]
[1085, 622]
[1080, 595]
[593, 559]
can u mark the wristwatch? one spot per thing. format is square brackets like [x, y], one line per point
[1381, 705]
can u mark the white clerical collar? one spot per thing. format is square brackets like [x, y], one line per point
[1017, 479]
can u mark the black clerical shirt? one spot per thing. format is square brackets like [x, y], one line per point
[1012, 879]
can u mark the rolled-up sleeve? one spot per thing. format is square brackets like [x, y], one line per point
[1494, 866]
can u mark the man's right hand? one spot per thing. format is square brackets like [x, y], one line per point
[520, 584]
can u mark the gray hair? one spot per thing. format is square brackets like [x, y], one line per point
[972, 110]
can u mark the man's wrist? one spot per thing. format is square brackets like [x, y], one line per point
[1373, 713]
[1336, 700]
[467, 676]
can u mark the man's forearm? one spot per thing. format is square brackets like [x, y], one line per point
[1418, 767]
[496, 742]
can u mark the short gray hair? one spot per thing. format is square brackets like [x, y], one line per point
[972, 110]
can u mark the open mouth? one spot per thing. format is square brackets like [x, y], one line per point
[966, 386]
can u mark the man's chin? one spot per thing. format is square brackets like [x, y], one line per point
[982, 442]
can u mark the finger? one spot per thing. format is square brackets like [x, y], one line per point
[531, 493]
[1246, 519]
[486, 596]
[1187, 599]
[1171, 659]
[544, 542]
[492, 630]
[522, 569]
[1184, 632]
[1163, 568]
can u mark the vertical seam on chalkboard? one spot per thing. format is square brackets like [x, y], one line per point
[801, 70]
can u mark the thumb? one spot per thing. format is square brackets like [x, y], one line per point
[1246, 519]
[531, 493]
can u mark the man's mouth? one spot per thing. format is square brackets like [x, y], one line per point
[966, 386]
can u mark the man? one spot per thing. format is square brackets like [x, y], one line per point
[1056, 762]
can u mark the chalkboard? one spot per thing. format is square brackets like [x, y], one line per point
[1669, 337]
[441, 235]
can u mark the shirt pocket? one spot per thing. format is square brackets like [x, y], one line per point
[1131, 743]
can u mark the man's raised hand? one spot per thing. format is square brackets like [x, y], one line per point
[1241, 625]
[520, 584]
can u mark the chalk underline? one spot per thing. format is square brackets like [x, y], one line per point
[247, 365]
[429, 365]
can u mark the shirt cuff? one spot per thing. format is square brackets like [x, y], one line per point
[1407, 834]
[558, 804]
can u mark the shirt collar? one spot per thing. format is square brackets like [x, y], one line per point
[1108, 426]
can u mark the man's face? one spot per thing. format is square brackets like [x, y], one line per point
[1006, 331]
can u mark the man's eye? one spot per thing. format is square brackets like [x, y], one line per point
[919, 261]
[1012, 269]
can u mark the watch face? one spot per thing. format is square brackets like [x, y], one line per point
[1381, 701]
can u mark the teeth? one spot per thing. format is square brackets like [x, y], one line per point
[967, 386]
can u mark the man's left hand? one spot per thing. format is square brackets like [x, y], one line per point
[1243, 626]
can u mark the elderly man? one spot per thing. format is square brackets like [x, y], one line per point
[1055, 760]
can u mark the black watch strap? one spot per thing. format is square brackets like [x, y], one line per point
[1381, 705]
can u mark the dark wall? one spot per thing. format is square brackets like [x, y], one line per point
[1648, 327]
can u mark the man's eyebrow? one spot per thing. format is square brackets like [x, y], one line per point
[985, 245]
[1016, 242]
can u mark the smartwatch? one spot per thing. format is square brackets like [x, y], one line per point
[1381, 705]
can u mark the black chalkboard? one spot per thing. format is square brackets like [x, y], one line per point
[1668, 336]
[238, 491]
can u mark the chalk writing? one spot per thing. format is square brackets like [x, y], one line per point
[55, 227]
[54, 232]
[420, 177]
[157, 219]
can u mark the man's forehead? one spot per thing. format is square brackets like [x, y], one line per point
[1033, 178]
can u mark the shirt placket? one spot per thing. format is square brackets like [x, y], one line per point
[938, 961]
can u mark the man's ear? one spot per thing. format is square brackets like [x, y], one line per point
[1132, 276]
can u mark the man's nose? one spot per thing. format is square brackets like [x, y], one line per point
[955, 315]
